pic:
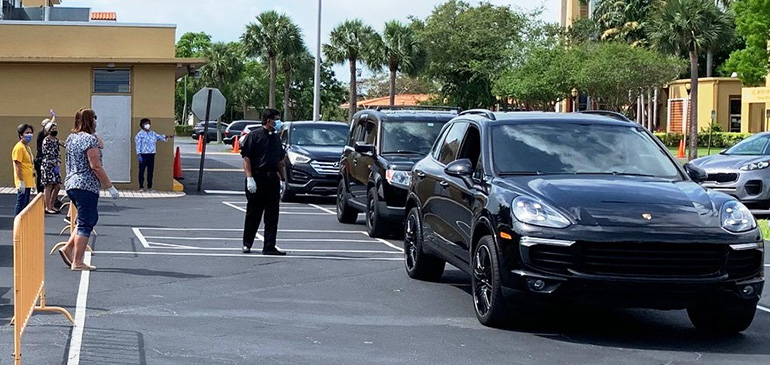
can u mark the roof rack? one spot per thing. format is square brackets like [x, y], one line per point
[609, 114]
[485, 112]
[419, 107]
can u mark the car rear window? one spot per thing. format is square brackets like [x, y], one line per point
[566, 148]
[409, 137]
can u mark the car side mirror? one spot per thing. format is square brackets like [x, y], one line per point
[364, 148]
[462, 169]
[722, 152]
[696, 173]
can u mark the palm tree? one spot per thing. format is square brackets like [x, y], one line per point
[402, 52]
[263, 39]
[723, 5]
[624, 19]
[352, 41]
[290, 52]
[224, 66]
[693, 26]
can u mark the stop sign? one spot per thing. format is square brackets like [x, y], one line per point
[200, 99]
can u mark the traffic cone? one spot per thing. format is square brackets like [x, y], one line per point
[200, 144]
[681, 149]
[178, 166]
[236, 146]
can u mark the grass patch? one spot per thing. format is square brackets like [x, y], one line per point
[702, 151]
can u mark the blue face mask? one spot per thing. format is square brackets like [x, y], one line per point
[278, 125]
[28, 137]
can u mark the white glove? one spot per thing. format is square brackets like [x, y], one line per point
[251, 185]
[22, 186]
[283, 187]
[114, 192]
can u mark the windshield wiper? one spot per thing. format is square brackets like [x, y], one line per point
[522, 173]
[616, 173]
[404, 151]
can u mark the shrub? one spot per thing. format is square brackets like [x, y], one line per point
[183, 130]
[718, 139]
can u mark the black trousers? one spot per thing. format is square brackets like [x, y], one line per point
[38, 164]
[148, 162]
[265, 201]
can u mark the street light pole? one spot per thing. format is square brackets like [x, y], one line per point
[317, 78]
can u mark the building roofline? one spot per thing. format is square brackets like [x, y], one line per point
[169, 60]
[86, 24]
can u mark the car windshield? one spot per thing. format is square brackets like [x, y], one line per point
[754, 145]
[578, 149]
[320, 135]
[409, 137]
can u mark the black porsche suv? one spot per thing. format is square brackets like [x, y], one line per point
[579, 207]
[382, 147]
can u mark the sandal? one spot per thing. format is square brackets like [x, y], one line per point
[82, 267]
[64, 257]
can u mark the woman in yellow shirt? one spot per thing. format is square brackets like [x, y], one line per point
[23, 167]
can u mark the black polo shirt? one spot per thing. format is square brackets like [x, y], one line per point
[264, 150]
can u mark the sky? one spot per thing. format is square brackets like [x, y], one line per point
[225, 20]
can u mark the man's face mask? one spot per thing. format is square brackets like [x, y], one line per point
[277, 125]
[146, 126]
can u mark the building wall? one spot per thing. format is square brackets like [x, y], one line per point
[37, 88]
[86, 40]
[713, 94]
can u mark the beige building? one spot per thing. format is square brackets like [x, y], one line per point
[721, 95]
[124, 72]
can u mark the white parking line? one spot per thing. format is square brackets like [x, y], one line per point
[323, 209]
[241, 230]
[140, 236]
[764, 309]
[182, 247]
[287, 212]
[224, 192]
[80, 314]
[155, 253]
[386, 243]
[241, 239]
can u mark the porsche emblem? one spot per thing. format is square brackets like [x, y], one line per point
[647, 216]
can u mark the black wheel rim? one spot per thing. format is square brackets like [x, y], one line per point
[482, 280]
[410, 242]
[370, 213]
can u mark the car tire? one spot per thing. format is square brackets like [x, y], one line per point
[488, 300]
[419, 264]
[723, 317]
[345, 214]
[375, 225]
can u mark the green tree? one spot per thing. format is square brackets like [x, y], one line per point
[403, 52]
[352, 41]
[378, 85]
[625, 20]
[225, 63]
[752, 23]
[544, 77]
[264, 38]
[190, 45]
[292, 49]
[468, 47]
[691, 26]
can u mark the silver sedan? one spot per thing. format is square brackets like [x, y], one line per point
[742, 171]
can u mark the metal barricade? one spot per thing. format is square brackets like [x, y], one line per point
[29, 270]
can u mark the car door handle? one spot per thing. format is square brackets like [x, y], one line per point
[444, 184]
[420, 174]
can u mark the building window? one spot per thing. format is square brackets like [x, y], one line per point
[735, 114]
[112, 81]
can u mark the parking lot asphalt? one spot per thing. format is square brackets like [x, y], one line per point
[172, 287]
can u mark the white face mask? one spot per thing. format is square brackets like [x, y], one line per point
[146, 127]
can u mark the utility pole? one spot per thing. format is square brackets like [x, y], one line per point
[317, 78]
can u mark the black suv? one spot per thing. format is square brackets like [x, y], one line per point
[579, 207]
[382, 147]
[313, 152]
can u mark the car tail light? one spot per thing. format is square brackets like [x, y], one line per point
[227, 133]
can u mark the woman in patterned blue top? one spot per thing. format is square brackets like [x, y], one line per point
[85, 177]
[145, 142]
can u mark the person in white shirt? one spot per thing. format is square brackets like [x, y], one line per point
[145, 142]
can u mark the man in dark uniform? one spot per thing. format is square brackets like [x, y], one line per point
[263, 164]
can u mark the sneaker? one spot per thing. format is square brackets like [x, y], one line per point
[273, 252]
[246, 249]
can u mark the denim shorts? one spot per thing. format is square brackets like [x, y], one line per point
[86, 203]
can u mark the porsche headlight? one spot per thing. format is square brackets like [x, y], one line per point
[533, 212]
[756, 166]
[735, 217]
[296, 158]
[399, 178]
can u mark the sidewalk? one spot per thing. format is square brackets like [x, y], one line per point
[130, 194]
